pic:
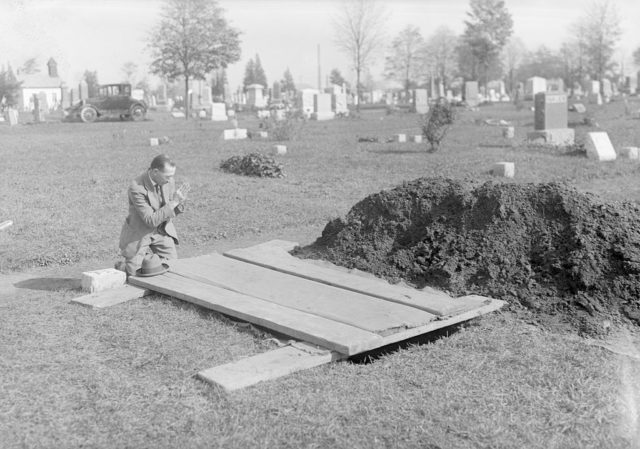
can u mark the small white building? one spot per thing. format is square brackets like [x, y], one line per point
[42, 84]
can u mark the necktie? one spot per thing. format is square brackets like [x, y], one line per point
[159, 193]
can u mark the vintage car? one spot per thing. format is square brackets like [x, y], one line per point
[113, 101]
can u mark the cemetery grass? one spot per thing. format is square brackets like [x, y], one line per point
[124, 376]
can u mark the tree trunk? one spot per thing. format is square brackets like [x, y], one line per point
[358, 89]
[187, 106]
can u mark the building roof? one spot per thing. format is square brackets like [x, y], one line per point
[40, 79]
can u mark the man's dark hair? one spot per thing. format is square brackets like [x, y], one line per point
[161, 161]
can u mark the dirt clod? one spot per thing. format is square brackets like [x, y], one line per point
[546, 248]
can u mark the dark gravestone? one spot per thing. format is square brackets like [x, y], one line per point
[550, 110]
[471, 93]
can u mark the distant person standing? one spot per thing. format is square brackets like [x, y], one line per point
[153, 202]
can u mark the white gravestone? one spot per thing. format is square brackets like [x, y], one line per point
[599, 147]
[504, 169]
[322, 107]
[630, 152]
[218, 112]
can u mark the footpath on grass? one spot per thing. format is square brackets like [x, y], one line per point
[547, 249]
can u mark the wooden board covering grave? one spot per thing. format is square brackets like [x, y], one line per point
[342, 312]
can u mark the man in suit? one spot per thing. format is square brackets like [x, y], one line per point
[153, 202]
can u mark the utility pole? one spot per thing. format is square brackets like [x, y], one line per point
[319, 72]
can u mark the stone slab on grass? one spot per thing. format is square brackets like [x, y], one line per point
[417, 138]
[154, 142]
[579, 108]
[99, 280]
[111, 297]
[560, 137]
[504, 169]
[599, 147]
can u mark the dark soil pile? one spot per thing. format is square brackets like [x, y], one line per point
[543, 247]
[254, 164]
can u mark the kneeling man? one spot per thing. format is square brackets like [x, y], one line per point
[153, 202]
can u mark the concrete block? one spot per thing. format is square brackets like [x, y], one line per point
[99, 280]
[508, 132]
[560, 137]
[504, 169]
[154, 142]
[630, 152]
[417, 138]
[599, 147]
[279, 149]
[400, 137]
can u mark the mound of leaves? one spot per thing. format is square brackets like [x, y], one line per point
[548, 248]
[254, 164]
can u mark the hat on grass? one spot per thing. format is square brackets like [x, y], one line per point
[151, 266]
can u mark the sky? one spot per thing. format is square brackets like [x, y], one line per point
[103, 35]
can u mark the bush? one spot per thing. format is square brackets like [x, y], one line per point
[284, 129]
[436, 123]
[254, 164]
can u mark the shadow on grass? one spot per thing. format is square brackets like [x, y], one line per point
[49, 284]
[371, 356]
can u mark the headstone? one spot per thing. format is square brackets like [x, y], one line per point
[218, 112]
[594, 87]
[280, 149]
[322, 107]
[504, 169]
[306, 101]
[417, 138]
[449, 95]
[534, 85]
[235, 133]
[339, 103]
[202, 113]
[38, 116]
[471, 93]
[177, 114]
[550, 120]
[420, 101]
[550, 111]
[205, 95]
[263, 113]
[580, 108]
[154, 142]
[83, 90]
[595, 98]
[508, 132]
[263, 134]
[12, 116]
[400, 138]
[599, 147]
[255, 97]
[607, 90]
[630, 152]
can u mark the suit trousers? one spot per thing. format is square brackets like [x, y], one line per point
[162, 245]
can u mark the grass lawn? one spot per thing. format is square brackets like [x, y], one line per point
[124, 376]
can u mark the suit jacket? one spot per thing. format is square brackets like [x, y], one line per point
[145, 214]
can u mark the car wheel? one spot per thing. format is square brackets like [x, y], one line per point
[137, 113]
[88, 114]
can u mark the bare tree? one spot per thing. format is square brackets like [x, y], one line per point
[359, 33]
[599, 32]
[405, 57]
[513, 55]
[191, 40]
[130, 69]
[440, 53]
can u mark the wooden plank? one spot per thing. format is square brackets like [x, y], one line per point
[275, 255]
[348, 307]
[267, 366]
[336, 336]
[490, 305]
[111, 297]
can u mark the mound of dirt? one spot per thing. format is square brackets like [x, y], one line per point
[254, 164]
[543, 247]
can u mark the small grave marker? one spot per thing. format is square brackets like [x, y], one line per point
[599, 147]
[580, 108]
[280, 149]
[417, 138]
[154, 142]
[504, 169]
[508, 132]
[235, 133]
[400, 138]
